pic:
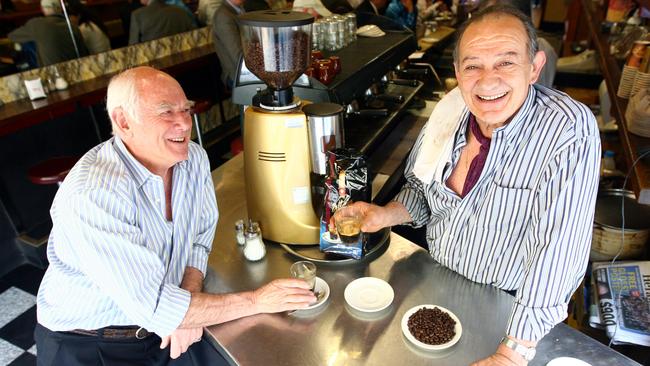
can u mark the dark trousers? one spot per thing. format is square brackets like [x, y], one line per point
[68, 349]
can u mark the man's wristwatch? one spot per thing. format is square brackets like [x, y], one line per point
[528, 353]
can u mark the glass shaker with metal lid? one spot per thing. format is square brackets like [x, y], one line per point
[254, 249]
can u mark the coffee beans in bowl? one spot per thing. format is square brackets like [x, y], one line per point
[431, 327]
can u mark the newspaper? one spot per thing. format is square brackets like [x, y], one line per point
[621, 291]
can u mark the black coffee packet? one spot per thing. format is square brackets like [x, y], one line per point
[346, 181]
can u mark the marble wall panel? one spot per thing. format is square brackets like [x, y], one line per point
[90, 67]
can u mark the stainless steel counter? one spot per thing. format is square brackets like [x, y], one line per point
[336, 334]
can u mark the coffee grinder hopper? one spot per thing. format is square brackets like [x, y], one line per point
[276, 47]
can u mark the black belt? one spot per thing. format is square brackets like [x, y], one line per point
[115, 333]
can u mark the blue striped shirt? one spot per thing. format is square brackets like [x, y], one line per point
[527, 223]
[114, 257]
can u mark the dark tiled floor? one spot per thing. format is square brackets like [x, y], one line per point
[18, 316]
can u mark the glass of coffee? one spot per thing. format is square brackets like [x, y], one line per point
[304, 270]
[348, 225]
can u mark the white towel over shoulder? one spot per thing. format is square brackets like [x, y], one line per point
[438, 137]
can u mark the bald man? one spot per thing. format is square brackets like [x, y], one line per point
[133, 226]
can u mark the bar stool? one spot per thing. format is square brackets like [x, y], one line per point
[51, 171]
[200, 106]
[47, 172]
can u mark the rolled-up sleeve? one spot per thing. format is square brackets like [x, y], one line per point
[558, 244]
[412, 195]
[111, 251]
[207, 223]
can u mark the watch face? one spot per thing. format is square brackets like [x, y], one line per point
[530, 354]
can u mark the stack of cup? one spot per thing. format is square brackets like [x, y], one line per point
[642, 78]
[627, 81]
[637, 114]
[631, 68]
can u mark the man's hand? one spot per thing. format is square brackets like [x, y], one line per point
[180, 340]
[376, 217]
[504, 356]
[282, 295]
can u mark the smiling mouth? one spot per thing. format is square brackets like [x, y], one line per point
[177, 140]
[490, 98]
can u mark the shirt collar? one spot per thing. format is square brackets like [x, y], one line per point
[139, 172]
[517, 121]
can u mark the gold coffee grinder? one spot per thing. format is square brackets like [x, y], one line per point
[276, 47]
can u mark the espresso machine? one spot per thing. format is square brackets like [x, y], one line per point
[276, 48]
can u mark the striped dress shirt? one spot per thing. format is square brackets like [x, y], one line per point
[526, 225]
[114, 257]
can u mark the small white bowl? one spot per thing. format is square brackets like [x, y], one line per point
[430, 347]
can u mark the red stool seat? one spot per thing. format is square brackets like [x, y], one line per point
[202, 106]
[236, 146]
[51, 171]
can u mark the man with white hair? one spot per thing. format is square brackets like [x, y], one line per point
[133, 225]
[51, 35]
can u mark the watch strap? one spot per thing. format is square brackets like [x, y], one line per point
[528, 353]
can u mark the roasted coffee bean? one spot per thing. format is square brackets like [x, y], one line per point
[432, 326]
[289, 61]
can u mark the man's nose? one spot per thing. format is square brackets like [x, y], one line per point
[184, 121]
[489, 78]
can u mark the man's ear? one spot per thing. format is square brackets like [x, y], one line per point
[122, 122]
[538, 63]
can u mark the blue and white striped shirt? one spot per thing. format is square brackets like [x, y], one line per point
[114, 257]
[527, 223]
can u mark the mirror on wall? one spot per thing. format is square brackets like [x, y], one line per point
[37, 33]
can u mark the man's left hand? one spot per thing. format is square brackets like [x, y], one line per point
[180, 340]
[502, 357]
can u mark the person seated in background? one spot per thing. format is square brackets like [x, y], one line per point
[255, 5]
[377, 7]
[504, 176]
[92, 29]
[403, 12]
[227, 42]
[51, 35]
[181, 4]
[133, 226]
[156, 20]
[206, 9]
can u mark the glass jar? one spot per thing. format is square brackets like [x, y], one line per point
[239, 232]
[341, 31]
[351, 23]
[316, 36]
[254, 249]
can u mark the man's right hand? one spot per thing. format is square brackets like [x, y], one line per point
[283, 295]
[180, 340]
[377, 217]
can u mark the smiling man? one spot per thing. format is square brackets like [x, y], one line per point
[505, 177]
[133, 225]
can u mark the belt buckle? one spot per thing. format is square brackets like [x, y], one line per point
[144, 335]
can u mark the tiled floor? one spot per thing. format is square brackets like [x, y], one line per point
[18, 316]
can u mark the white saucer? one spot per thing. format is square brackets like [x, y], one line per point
[320, 286]
[430, 347]
[368, 294]
[567, 361]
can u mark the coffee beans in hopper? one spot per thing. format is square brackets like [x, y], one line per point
[432, 326]
[282, 64]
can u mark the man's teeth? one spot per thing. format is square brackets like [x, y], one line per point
[492, 97]
[180, 139]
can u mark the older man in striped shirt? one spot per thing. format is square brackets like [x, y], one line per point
[133, 226]
[513, 202]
